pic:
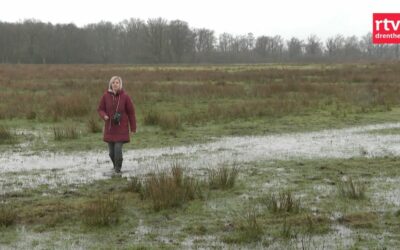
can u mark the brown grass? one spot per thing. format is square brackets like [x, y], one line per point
[67, 132]
[222, 177]
[167, 190]
[360, 219]
[103, 211]
[284, 202]
[8, 215]
[352, 189]
[6, 136]
[59, 92]
[249, 228]
[93, 125]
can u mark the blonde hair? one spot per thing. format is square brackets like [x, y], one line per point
[112, 80]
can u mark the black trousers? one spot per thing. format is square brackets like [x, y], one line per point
[115, 152]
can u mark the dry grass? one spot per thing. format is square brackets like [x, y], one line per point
[151, 117]
[135, 185]
[93, 125]
[103, 211]
[222, 177]
[8, 215]
[170, 121]
[74, 105]
[170, 189]
[6, 136]
[167, 121]
[249, 228]
[359, 219]
[215, 92]
[284, 202]
[352, 189]
[63, 133]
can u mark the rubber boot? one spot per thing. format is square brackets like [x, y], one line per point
[118, 166]
[113, 163]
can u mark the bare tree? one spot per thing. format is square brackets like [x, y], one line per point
[204, 43]
[295, 48]
[352, 48]
[269, 47]
[225, 42]
[160, 41]
[313, 47]
[133, 41]
[334, 46]
[104, 36]
[157, 39]
[181, 40]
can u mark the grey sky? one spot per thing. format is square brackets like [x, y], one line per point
[287, 18]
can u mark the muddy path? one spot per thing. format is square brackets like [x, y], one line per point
[19, 170]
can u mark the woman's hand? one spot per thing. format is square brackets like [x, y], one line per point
[106, 117]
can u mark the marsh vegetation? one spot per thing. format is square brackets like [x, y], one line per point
[187, 185]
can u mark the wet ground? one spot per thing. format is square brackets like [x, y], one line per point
[21, 170]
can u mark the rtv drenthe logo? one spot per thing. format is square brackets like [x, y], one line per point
[386, 28]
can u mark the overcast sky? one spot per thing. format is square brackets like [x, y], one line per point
[287, 18]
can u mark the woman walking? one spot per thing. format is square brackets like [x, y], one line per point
[118, 112]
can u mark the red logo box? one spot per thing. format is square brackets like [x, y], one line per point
[386, 28]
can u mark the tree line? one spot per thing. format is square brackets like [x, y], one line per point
[160, 41]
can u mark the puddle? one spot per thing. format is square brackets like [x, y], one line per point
[388, 194]
[57, 169]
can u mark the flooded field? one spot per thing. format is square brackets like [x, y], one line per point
[261, 161]
[28, 170]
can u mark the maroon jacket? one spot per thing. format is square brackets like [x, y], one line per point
[108, 105]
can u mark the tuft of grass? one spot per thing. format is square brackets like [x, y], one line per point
[72, 105]
[284, 202]
[93, 126]
[249, 229]
[167, 121]
[168, 190]
[222, 177]
[351, 189]
[6, 136]
[135, 185]
[287, 231]
[62, 133]
[363, 219]
[103, 211]
[170, 121]
[151, 117]
[31, 115]
[8, 215]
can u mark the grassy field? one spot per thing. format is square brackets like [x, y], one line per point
[178, 105]
[296, 204]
